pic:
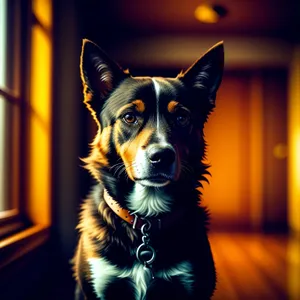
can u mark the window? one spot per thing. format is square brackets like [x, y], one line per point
[25, 120]
[10, 113]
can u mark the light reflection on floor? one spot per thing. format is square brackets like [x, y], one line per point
[256, 266]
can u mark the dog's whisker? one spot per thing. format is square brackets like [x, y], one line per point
[115, 165]
[118, 168]
[186, 168]
[120, 171]
[123, 169]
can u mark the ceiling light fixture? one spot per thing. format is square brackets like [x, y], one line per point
[209, 13]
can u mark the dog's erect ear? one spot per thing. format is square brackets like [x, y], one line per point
[99, 73]
[206, 73]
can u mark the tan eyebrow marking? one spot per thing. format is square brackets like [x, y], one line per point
[139, 105]
[172, 106]
[119, 112]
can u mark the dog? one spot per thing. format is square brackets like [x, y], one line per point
[143, 232]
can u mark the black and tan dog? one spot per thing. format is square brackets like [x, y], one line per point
[143, 233]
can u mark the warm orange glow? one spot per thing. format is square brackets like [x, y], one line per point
[42, 10]
[255, 266]
[294, 143]
[256, 152]
[40, 118]
[205, 13]
[293, 256]
[280, 151]
[225, 195]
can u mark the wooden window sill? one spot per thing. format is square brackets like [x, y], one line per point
[21, 243]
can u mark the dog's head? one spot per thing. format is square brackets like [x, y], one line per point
[150, 128]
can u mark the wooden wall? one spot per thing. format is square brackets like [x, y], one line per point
[247, 141]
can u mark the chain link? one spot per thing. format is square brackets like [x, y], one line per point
[145, 253]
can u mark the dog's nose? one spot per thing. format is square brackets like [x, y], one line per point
[161, 154]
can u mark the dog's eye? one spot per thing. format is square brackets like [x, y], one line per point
[183, 119]
[130, 118]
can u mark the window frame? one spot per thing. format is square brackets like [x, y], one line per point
[17, 227]
[12, 220]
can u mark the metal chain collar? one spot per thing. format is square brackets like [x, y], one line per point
[145, 253]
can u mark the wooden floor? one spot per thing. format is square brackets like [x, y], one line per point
[253, 266]
[249, 267]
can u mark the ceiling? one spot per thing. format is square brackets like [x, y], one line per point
[118, 18]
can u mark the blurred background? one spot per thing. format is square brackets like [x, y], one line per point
[253, 135]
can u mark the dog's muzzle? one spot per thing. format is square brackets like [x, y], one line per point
[161, 156]
[156, 165]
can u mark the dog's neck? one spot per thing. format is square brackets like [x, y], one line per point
[117, 209]
[149, 201]
[136, 220]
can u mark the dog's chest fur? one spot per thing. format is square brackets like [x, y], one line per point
[103, 272]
